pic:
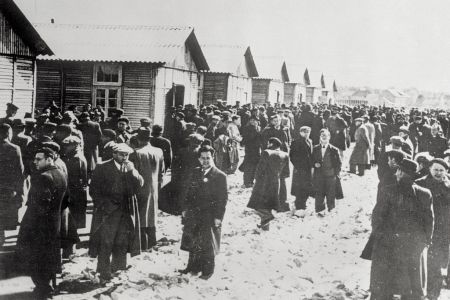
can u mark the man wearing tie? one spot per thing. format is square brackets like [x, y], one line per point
[115, 223]
[327, 165]
[202, 212]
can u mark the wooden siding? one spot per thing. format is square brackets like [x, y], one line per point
[289, 93]
[138, 92]
[78, 78]
[48, 84]
[309, 94]
[260, 90]
[17, 83]
[11, 43]
[214, 87]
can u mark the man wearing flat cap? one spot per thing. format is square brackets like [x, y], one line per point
[149, 162]
[439, 184]
[11, 111]
[402, 227]
[115, 226]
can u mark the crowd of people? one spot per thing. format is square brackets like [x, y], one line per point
[57, 161]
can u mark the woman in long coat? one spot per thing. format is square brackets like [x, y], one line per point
[360, 156]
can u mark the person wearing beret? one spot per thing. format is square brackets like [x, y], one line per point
[149, 162]
[438, 183]
[115, 228]
[38, 241]
[11, 111]
[11, 181]
[402, 227]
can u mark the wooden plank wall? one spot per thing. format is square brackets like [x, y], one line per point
[48, 84]
[78, 83]
[260, 90]
[138, 92]
[11, 42]
[214, 87]
[289, 92]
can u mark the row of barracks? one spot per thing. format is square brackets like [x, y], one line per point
[142, 69]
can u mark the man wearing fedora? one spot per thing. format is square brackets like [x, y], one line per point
[402, 227]
[149, 162]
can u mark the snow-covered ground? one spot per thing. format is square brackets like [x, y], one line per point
[299, 258]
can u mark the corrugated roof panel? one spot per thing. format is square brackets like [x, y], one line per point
[114, 42]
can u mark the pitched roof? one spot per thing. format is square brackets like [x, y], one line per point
[295, 72]
[315, 78]
[271, 68]
[229, 59]
[120, 43]
[23, 27]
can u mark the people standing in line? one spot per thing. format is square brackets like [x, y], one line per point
[360, 156]
[38, 241]
[267, 191]
[301, 158]
[438, 183]
[149, 162]
[402, 227]
[115, 226]
[327, 166]
[202, 215]
[11, 181]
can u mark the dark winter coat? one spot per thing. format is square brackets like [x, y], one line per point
[206, 201]
[38, 243]
[11, 181]
[112, 190]
[402, 226]
[252, 142]
[301, 158]
[437, 146]
[92, 140]
[337, 125]
[266, 191]
[149, 162]
[166, 147]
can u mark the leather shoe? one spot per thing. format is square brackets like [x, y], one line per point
[206, 276]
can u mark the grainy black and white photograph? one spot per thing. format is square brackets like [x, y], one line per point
[229, 150]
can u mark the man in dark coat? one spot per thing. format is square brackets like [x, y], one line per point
[438, 183]
[268, 188]
[162, 143]
[11, 181]
[149, 162]
[301, 158]
[251, 135]
[115, 223]
[38, 244]
[92, 136]
[327, 166]
[122, 133]
[203, 212]
[337, 127]
[402, 227]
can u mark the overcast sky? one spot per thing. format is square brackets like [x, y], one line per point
[379, 43]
